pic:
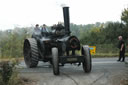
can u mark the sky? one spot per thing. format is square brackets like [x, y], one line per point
[25, 13]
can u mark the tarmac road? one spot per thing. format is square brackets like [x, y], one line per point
[105, 71]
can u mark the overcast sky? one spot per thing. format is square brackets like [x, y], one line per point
[29, 12]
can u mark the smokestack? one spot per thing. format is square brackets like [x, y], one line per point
[66, 19]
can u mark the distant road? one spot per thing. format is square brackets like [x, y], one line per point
[105, 71]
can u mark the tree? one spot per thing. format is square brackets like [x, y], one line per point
[124, 16]
[11, 41]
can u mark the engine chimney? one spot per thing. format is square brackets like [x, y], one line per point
[66, 20]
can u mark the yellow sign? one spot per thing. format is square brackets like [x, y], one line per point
[92, 49]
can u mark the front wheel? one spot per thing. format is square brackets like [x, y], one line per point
[55, 61]
[87, 64]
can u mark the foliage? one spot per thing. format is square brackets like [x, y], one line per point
[107, 34]
[8, 74]
[124, 16]
[11, 42]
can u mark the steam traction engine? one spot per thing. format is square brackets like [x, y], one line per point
[57, 47]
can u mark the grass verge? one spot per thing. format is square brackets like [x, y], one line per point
[102, 55]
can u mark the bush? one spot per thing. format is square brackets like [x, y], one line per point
[106, 48]
[8, 74]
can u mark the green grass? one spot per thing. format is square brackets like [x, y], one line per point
[107, 55]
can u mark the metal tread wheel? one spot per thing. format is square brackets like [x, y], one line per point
[30, 51]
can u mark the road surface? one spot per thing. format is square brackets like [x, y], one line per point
[105, 71]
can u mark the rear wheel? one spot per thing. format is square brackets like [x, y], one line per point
[87, 64]
[31, 54]
[55, 61]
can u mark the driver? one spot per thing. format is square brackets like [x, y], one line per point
[36, 31]
[37, 28]
[44, 30]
